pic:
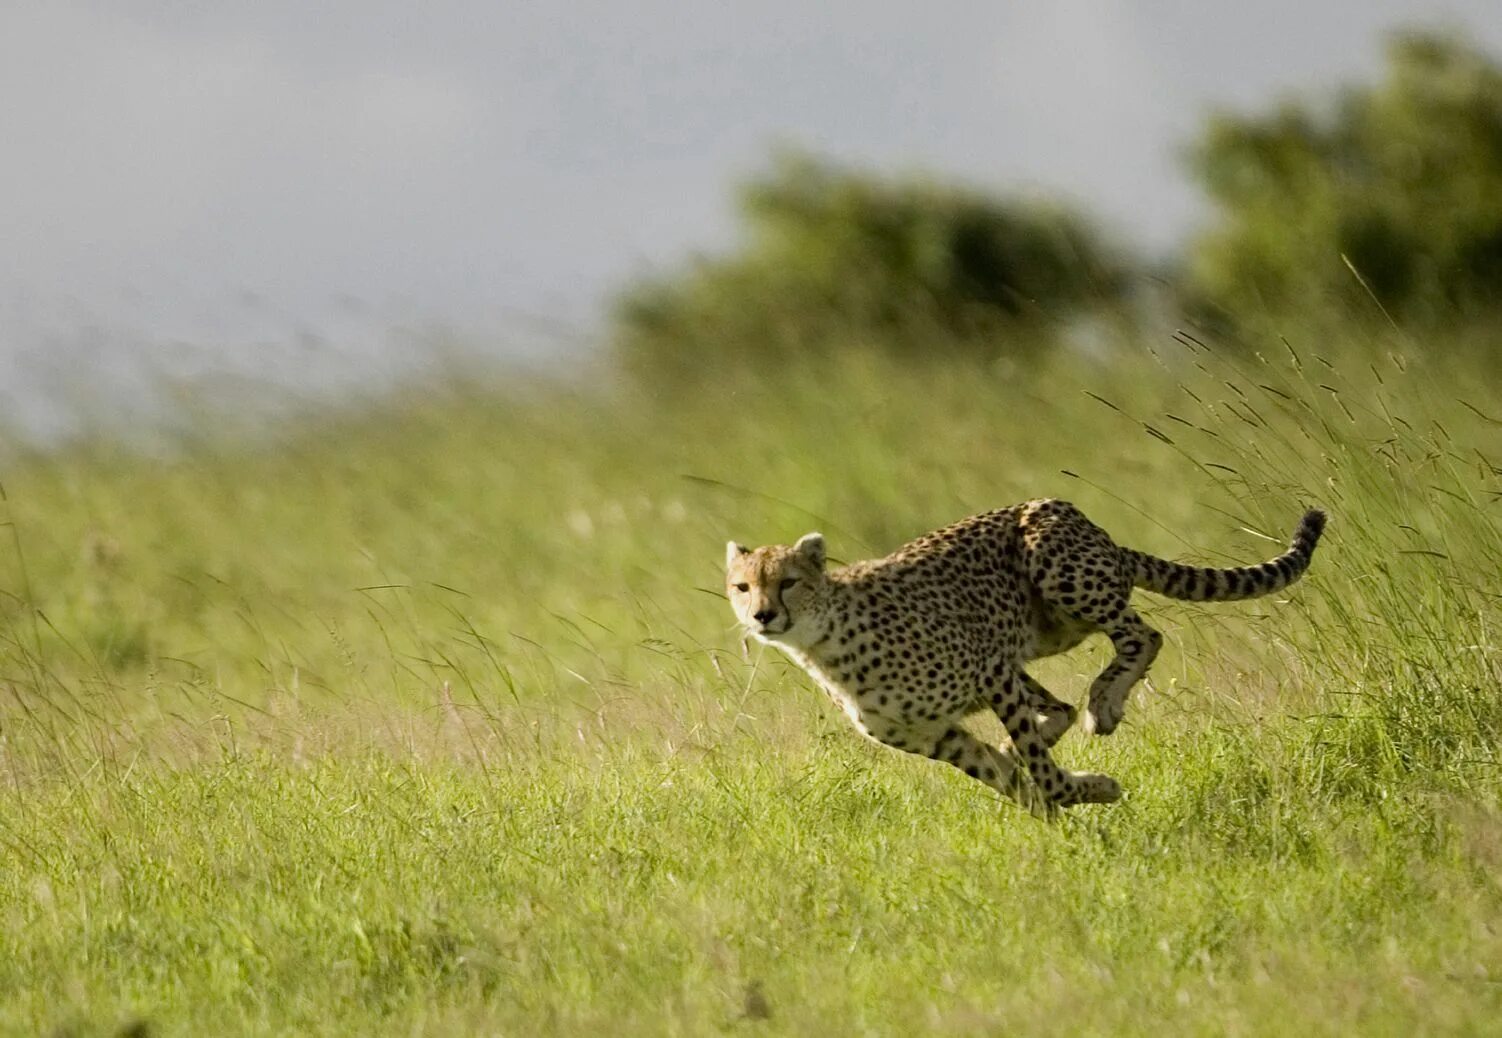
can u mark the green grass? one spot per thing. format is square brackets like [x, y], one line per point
[428, 718]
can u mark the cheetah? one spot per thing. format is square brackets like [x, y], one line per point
[911, 644]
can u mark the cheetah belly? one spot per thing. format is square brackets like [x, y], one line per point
[1051, 632]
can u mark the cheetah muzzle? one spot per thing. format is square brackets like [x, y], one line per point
[911, 644]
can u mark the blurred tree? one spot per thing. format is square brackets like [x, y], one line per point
[833, 258]
[1401, 181]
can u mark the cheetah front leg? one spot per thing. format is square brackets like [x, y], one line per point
[953, 745]
[1059, 788]
[1054, 716]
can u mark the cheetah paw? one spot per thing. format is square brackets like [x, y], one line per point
[1102, 719]
[1053, 724]
[1099, 789]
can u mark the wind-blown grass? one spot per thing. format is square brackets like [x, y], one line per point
[430, 719]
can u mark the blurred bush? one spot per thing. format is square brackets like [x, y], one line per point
[1401, 181]
[833, 259]
[1390, 191]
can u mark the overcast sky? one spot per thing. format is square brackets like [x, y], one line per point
[233, 171]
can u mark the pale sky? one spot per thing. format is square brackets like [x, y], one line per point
[232, 175]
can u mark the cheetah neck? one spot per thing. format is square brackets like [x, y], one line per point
[811, 636]
[815, 633]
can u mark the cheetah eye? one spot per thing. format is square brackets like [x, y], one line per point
[789, 582]
[743, 588]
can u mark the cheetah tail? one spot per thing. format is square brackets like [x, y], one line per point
[1196, 584]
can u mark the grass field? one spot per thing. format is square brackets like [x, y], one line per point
[427, 717]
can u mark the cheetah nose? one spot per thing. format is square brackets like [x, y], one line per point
[766, 616]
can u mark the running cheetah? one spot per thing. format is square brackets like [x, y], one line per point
[940, 629]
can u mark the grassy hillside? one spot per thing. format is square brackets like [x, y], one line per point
[428, 717]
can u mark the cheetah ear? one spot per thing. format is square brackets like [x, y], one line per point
[811, 547]
[734, 551]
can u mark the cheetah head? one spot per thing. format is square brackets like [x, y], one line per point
[776, 590]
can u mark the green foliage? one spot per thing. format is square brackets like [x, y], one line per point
[1401, 181]
[430, 719]
[833, 258]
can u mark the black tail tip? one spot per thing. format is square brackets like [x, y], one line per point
[1312, 525]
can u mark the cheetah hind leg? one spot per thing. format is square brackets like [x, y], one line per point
[1087, 587]
[1137, 645]
[1109, 610]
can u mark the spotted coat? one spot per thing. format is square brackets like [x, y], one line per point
[911, 644]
